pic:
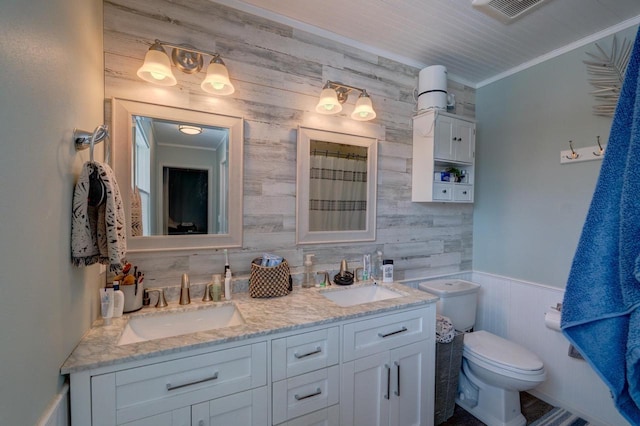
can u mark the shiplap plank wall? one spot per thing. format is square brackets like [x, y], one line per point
[278, 72]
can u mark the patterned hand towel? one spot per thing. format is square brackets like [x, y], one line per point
[98, 233]
[601, 307]
[445, 333]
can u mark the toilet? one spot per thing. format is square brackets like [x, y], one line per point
[494, 370]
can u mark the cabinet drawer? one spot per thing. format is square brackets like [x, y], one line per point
[367, 337]
[304, 352]
[305, 393]
[168, 385]
[463, 193]
[443, 191]
[326, 417]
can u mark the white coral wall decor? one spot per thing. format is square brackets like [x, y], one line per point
[607, 72]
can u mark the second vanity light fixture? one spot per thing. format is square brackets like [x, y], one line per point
[157, 67]
[335, 94]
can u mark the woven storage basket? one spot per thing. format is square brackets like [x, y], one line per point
[269, 281]
[448, 364]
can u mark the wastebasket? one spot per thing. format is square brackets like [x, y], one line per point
[448, 364]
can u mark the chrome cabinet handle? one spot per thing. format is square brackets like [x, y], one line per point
[402, 330]
[316, 393]
[317, 351]
[171, 387]
[444, 191]
[397, 392]
[464, 192]
[388, 381]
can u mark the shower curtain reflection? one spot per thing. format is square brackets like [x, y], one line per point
[337, 188]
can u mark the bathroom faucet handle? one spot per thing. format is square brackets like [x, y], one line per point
[162, 302]
[327, 281]
[206, 297]
[355, 273]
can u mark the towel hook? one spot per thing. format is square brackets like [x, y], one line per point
[84, 139]
[601, 150]
[574, 154]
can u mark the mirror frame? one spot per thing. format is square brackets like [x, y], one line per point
[303, 234]
[122, 111]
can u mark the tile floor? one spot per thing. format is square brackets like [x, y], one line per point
[532, 409]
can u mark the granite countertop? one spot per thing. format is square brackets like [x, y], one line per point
[301, 308]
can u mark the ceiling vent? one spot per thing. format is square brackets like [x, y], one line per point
[507, 11]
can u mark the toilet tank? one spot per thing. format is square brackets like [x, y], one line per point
[458, 300]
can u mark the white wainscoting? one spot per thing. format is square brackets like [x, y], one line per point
[57, 414]
[514, 309]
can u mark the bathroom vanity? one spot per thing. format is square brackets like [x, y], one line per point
[301, 359]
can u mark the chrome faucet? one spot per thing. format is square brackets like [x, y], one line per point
[185, 297]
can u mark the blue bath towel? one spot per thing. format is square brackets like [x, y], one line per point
[600, 312]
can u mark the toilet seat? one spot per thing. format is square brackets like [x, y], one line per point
[498, 354]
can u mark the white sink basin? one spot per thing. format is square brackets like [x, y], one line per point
[150, 327]
[358, 295]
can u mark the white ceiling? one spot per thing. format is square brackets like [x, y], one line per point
[475, 48]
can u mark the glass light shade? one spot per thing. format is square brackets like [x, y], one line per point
[190, 130]
[328, 103]
[156, 69]
[217, 80]
[363, 110]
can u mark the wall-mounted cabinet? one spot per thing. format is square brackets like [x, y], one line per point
[442, 142]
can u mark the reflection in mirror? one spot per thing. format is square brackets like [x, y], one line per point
[336, 187]
[184, 175]
[179, 178]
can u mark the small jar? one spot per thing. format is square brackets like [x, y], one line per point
[387, 271]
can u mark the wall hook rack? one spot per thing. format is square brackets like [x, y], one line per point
[577, 155]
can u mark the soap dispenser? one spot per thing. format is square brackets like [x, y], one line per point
[309, 279]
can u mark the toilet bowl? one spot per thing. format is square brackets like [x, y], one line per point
[494, 372]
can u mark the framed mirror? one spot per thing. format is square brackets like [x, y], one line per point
[180, 176]
[336, 187]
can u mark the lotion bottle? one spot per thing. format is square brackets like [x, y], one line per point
[309, 277]
[227, 285]
[118, 300]
[106, 304]
[216, 288]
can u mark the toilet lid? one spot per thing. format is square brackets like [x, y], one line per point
[496, 350]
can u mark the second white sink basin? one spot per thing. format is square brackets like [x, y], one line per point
[161, 325]
[358, 295]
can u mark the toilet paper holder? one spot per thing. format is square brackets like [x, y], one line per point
[552, 318]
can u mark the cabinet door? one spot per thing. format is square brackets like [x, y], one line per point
[179, 417]
[443, 138]
[463, 141]
[411, 396]
[364, 400]
[326, 417]
[247, 408]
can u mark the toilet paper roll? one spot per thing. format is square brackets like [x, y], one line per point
[552, 319]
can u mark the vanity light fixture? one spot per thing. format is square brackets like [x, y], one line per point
[156, 68]
[189, 130]
[334, 94]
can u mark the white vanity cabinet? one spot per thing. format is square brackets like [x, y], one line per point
[198, 390]
[442, 141]
[388, 370]
[372, 369]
